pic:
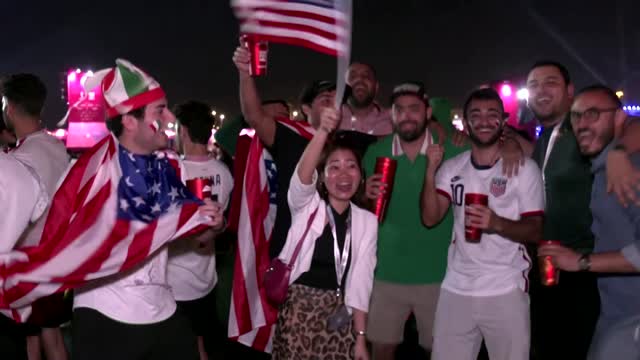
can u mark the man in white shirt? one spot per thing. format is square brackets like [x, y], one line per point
[23, 97]
[26, 198]
[192, 265]
[132, 315]
[484, 293]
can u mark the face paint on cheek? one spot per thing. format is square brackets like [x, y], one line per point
[155, 126]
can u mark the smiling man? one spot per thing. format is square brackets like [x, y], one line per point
[132, 315]
[411, 257]
[562, 316]
[597, 119]
[484, 292]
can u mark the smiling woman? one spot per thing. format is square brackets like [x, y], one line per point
[331, 279]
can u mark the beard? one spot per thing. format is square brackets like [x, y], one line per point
[361, 101]
[604, 139]
[410, 135]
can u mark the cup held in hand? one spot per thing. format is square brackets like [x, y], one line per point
[387, 168]
[259, 50]
[473, 234]
[200, 187]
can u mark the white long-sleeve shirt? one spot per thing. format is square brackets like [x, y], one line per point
[23, 197]
[303, 200]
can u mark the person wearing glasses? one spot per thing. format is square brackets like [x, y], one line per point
[597, 120]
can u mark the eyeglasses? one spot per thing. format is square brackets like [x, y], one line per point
[590, 115]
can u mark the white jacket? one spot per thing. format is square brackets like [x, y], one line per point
[303, 200]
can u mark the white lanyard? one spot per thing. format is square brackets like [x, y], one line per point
[340, 260]
[552, 142]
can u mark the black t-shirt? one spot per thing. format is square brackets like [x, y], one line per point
[286, 151]
[322, 273]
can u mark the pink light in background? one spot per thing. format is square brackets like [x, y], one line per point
[505, 90]
[71, 77]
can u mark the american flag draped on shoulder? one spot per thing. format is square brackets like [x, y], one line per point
[251, 317]
[112, 211]
[316, 24]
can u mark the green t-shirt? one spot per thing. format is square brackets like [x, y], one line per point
[408, 251]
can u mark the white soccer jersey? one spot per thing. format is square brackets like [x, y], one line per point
[191, 274]
[494, 265]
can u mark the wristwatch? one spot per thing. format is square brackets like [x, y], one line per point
[584, 263]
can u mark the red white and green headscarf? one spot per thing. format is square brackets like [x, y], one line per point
[125, 88]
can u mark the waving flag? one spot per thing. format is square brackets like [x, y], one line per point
[317, 24]
[251, 316]
[113, 210]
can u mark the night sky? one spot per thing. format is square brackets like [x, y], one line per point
[451, 45]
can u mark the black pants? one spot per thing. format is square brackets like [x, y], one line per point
[563, 317]
[13, 344]
[97, 337]
[203, 319]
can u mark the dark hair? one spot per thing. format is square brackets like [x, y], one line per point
[341, 143]
[371, 68]
[26, 91]
[277, 101]
[563, 69]
[114, 124]
[607, 91]
[482, 94]
[197, 119]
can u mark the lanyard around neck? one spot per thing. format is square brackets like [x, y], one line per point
[340, 259]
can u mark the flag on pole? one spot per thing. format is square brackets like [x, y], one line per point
[320, 25]
[113, 210]
[251, 317]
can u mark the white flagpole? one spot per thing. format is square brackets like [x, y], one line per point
[343, 58]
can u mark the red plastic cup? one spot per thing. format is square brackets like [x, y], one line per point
[387, 168]
[200, 187]
[471, 233]
[549, 274]
[259, 50]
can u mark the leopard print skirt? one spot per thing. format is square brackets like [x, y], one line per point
[301, 332]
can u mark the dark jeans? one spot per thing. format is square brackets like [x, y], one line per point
[563, 317]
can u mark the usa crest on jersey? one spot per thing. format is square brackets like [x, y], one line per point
[498, 186]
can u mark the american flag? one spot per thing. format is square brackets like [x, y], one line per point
[251, 317]
[112, 211]
[317, 24]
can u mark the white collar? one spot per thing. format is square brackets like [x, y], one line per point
[396, 147]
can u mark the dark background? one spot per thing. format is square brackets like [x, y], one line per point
[451, 45]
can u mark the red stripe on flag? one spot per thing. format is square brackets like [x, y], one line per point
[305, 15]
[95, 261]
[140, 246]
[299, 27]
[239, 165]
[262, 337]
[297, 42]
[60, 212]
[50, 248]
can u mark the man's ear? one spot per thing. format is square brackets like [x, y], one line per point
[129, 122]
[571, 89]
[619, 121]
